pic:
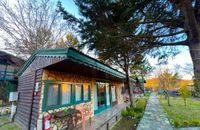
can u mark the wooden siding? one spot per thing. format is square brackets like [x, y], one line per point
[36, 100]
[41, 62]
[25, 89]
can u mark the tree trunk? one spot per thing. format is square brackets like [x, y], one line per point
[195, 55]
[129, 87]
[168, 103]
[165, 96]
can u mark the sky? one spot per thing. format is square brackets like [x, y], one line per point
[180, 60]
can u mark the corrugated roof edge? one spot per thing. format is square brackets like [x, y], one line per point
[97, 60]
[34, 54]
[60, 51]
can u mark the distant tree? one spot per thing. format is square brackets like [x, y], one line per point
[184, 93]
[70, 40]
[27, 25]
[140, 70]
[168, 81]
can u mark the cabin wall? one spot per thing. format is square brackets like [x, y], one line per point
[64, 77]
[28, 104]
[25, 89]
[36, 100]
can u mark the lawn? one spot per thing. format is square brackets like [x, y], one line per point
[180, 115]
[5, 124]
[126, 124]
[131, 116]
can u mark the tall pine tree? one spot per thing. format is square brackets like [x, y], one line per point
[112, 29]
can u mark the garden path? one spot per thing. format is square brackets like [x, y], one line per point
[154, 118]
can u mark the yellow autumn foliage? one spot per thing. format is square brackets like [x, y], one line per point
[154, 83]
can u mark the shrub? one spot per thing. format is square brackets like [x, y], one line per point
[147, 94]
[139, 115]
[195, 123]
[129, 112]
[184, 93]
[140, 106]
[186, 123]
[130, 108]
[138, 110]
[124, 113]
[176, 123]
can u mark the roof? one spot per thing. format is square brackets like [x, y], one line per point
[75, 56]
[9, 59]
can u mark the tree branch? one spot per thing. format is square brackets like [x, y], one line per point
[181, 43]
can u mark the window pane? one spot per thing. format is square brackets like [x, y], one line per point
[52, 95]
[65, 93]
[113, 94]
[78, 92]
[86, 92]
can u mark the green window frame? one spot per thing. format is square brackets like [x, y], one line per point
[73, 101]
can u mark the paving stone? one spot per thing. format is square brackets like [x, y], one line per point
[154, 118]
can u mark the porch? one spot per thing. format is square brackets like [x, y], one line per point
[106, 119]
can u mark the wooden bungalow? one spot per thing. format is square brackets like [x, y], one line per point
[57, 80]
[9, 65]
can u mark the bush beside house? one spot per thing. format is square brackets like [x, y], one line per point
[132, 116]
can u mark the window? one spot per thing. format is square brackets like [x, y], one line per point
[78, 92]
[113, 93]
[60, 94]
[65, 94]
[52, 95]
[86, 92]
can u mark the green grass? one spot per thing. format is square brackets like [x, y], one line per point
[125, 124]
[132, 116]
[180, 115]
[5, 124]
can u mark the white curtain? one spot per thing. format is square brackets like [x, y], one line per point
[86, 92]
[52, 95]
[65, 93]
[78, 92]
[107, 95]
